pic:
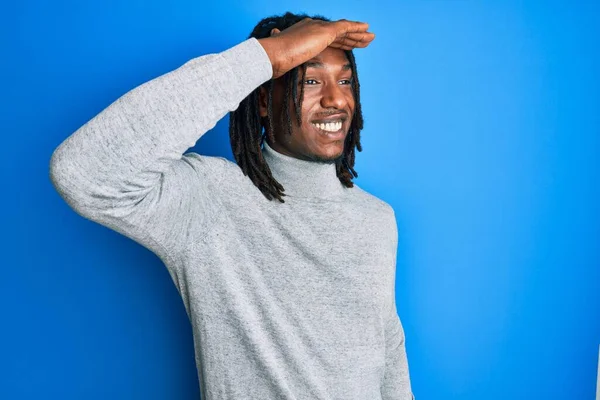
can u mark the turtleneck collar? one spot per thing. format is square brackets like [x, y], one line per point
[302, 178]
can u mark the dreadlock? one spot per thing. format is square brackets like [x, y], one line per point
[246, 126]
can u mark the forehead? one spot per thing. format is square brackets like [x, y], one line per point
[329, 58]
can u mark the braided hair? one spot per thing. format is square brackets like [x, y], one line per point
[246, 126]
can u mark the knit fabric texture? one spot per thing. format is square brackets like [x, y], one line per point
[291, 300]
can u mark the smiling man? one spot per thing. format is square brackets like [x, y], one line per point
[327, 107]
[288, 298]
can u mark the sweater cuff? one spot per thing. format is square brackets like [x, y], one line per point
[249, 63]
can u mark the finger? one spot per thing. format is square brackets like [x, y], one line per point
[359, 37]
[341, 46]
[348, 46]
[346, 42]
[351, 26]
[355, 40]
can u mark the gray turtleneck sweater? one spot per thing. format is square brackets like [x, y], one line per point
[291, 300]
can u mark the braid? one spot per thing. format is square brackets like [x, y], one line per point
[246, 126]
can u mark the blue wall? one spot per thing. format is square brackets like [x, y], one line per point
[482, 130]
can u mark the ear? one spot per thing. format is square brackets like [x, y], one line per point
[262, 101]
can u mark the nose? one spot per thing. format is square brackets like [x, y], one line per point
[333, 96]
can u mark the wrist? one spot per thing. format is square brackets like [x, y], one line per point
[271, 47]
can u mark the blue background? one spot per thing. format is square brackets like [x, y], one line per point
[482, 130]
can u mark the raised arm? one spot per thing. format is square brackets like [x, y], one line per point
[125, 168]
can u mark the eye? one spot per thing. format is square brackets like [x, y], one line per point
[311, 82]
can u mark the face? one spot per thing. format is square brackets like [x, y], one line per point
[327, 109]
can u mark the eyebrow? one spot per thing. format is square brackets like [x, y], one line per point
[318, 64]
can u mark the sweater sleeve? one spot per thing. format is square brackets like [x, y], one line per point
[396, 380]
[125, 168]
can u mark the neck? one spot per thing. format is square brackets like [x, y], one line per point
[303, 178]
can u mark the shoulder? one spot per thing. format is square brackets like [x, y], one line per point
[374, 203]
[223, 176]
[379, 213]
[214, 167]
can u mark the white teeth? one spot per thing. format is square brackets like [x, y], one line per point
[329, 126]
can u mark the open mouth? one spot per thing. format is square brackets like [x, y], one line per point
[332, 129]
[329, 126]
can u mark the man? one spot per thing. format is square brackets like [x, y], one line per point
[288, 299]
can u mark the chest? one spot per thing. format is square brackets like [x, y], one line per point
[321, 264]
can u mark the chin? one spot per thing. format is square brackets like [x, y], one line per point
[329, 156]
[324, 150]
